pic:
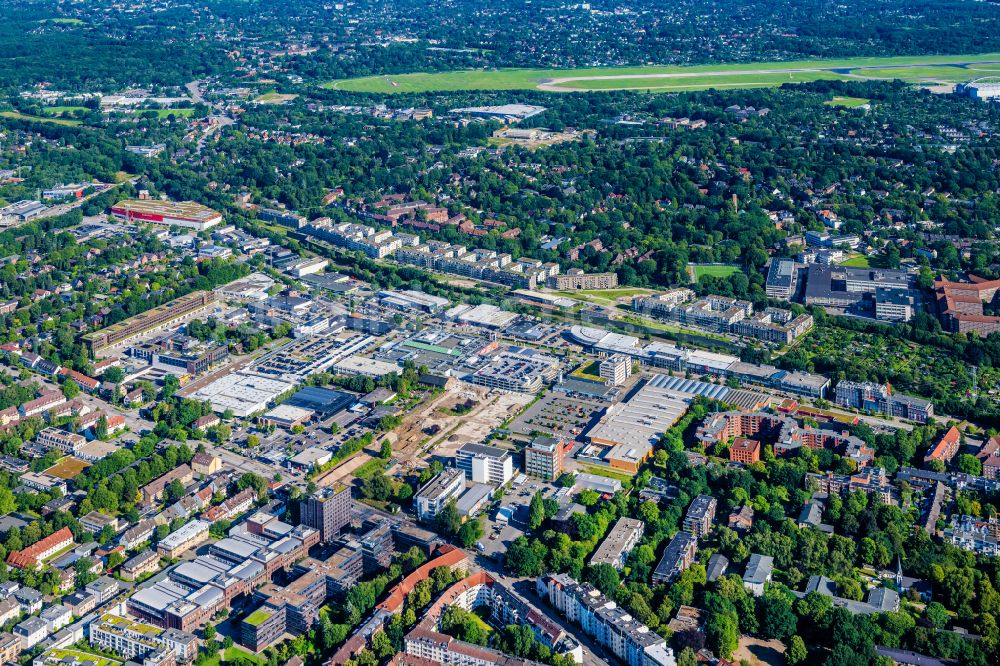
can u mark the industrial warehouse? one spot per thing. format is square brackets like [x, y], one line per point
[187, 214]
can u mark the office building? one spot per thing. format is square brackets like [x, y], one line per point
[517, 369]
[327, 510]
[615, 369]
[781, 279]
[448, 485]
[544, 458]
[485, 464]
[180, 354]
[846, 286]
[893, 305]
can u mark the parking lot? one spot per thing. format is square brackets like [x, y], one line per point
[558, 415]
[498, 534]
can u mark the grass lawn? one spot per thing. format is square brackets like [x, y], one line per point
[63, 21]
[166, 113]
[59, 110]
[607, 473]
[705, 82]
[607, 296]
[910, 73]
[713, 270]
[370, 468]
[591, 371]
[671, 78]
[847, 102]
[230, 655]
[487, 629]
[257, 617]
[859, 261]
[660, 326]
[38, 119]
[81, 656]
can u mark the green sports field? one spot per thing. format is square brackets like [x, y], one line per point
[847, 102]
[713, 270]
[678, 79]
[166, 113]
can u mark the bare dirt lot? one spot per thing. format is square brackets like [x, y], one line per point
[430, 429]
[760, 653]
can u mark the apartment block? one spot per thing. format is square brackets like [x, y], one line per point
[621, 539]
[699, 517]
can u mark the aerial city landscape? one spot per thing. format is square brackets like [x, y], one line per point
[386, 333]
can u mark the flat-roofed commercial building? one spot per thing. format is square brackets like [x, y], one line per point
[146, 322]
[629, 429]
[615, 369]
[327, 510]
[544, 458]
[412, 300]
[187, 537]
[187, 214]
[485, 464]
[447, 485]
[516, 369]
[781, 279]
